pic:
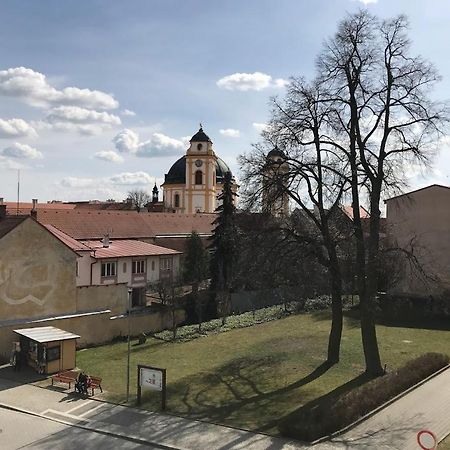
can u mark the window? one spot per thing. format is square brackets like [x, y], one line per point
[53, 354]
[77, 268]
[109, 269]
[153, 265]
[124, 267]
[199, 177]
[166, 263]
[138, 266]
[177, 200]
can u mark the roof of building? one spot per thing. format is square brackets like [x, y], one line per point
[67, 240]
[46, 334]
[25, 207]
[170, 224]
[84, 225]
[123, 248]
[200, 136]
[8, 224]
[177, 173]
[348, 211]
[418, 190]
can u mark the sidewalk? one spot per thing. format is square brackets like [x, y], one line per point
[140, 426]
[395, 427]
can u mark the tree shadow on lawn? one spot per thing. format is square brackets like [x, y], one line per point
[320, 406]
[235, 393]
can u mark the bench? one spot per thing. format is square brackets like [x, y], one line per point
[67, 377]
[96, 382]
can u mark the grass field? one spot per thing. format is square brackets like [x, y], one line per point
[445, 444]
[251, 377]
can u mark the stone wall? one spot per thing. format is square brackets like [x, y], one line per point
[94, 329]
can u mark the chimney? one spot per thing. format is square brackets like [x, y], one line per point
[106, 241]
[34, 208]
[2, 210]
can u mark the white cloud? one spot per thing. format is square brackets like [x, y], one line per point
[110, 156]
[9, 164]
[16, 128]
[121, 179]
[127, 141]
[260, 127]
[256, 81]
[230, 132]
[131, 178]
[366, 2]
[34, 89]
[159, 145]
[81, 120]
[128, 112]
[22, 151]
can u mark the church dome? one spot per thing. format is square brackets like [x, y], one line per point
[200, 136]
[177, 173]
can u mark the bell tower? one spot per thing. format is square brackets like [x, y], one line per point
[201, 161]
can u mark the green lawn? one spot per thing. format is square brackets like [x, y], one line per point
[251, 377]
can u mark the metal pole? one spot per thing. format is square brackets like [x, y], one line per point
[129, 345]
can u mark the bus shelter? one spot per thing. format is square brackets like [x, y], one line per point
[47, 349]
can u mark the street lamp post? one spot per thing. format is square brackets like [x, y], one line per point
[130, 291]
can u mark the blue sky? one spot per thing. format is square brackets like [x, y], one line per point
[99, 97]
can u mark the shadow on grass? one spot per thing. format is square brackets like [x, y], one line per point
[297, 423]
[243, 395]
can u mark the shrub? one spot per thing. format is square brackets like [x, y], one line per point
[331, 413]
[318, 303]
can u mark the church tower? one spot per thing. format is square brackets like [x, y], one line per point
[200, 174]
[195, 181]
[275, 200]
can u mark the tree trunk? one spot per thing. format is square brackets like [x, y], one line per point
[334, 341]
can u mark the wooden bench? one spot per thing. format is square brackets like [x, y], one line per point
[67, 377]
[96, 382]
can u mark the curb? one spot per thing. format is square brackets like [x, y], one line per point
[129, 438]
[331, 436]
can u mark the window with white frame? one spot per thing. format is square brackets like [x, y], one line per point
[109, 269]
[166, 263]
[138, 266]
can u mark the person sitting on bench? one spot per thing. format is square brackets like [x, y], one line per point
[81, 385]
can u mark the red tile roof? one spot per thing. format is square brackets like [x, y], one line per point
[25, 208]
[86, 224]
[122, 248]
[175, 224]
[82, 224]
[64, 238]
[348, 211]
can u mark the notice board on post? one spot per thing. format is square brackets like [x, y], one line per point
[151, 378]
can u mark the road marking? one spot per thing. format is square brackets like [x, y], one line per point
[79, 406]
[60, 413]
[91, 410]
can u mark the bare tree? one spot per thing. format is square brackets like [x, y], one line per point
[315, 179]
[353, 131]
[138, 198]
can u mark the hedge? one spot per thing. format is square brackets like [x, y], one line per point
[325, 416]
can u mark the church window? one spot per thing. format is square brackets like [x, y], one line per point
[199, 177]
[177, 200]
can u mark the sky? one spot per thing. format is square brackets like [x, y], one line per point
[100, 97]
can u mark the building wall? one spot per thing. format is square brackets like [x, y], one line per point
[423, 219]
[124, 271]
[37, 273]
[94, 329]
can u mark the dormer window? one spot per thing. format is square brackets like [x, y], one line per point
[199, 146]
[177, 200]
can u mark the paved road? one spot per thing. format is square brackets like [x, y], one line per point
[23, 431]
